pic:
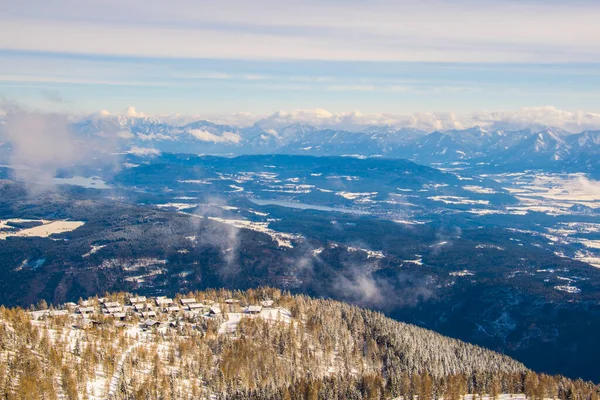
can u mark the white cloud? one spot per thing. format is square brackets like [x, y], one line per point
[573, 121]
[582, 187]
[75, 80]
[205, 136]
[409, 30]
[143, 151]
[125, 135]
[351, 88]
[132, 113]
[153, 136]
[42, 143]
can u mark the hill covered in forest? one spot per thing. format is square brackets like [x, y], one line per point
[256, 344]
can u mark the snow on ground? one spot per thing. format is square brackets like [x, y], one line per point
[370, 253]
[417, 261]
[196, 181]
[132, 265]
[583, 227]
[46, 229]
[290, 188]
[588, 257]
[464, 272]
[282, 239]
[593, 244]
[177, 206]
[273, 315]
[114, 381]
[318, 251]
[407, 222]
[479, 189]
[93, 250]
[568, 289]
[484, 211]
[231, 324]
[356, 196]
[343, 177]
[434, 185]
[551, 193]
[489, 246]
[504, 396]
[458, 200]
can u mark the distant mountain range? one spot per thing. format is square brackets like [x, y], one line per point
[535, 147]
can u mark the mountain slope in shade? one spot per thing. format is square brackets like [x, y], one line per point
[588, 141]
[435, 147]
[541, 148]
[501, 146]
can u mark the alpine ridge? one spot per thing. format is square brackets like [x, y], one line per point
[257, 344]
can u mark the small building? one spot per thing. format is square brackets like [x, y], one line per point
[253, 309]
[231, 301]
[112, 310]
[139, 299]
[39, 314]
[139, 306]
[148, 314]
[172, 309]
[119, 315]
[195, 306]
[112, 304]
[86, 310]
[189, 300]
[266, 303]
[149, 323]
[214, 310]
[163, 301]
[58, 313]
[87, 323]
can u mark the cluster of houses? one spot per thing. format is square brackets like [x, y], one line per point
[152, 311]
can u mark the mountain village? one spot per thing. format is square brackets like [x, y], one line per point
[161, 313]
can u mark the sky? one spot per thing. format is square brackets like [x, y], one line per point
[204, 57]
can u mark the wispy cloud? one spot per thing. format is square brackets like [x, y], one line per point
[41, 144]
[463, 31]
[52, 96]
[574, 121]
[382, 56]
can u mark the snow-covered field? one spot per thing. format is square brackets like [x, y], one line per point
[46, 228]
[282, 239]
[458, 200]
[370, 253]
[551, 193]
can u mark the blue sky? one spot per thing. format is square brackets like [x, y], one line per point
[210, 57]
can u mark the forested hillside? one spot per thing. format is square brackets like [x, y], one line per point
[254, 344]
